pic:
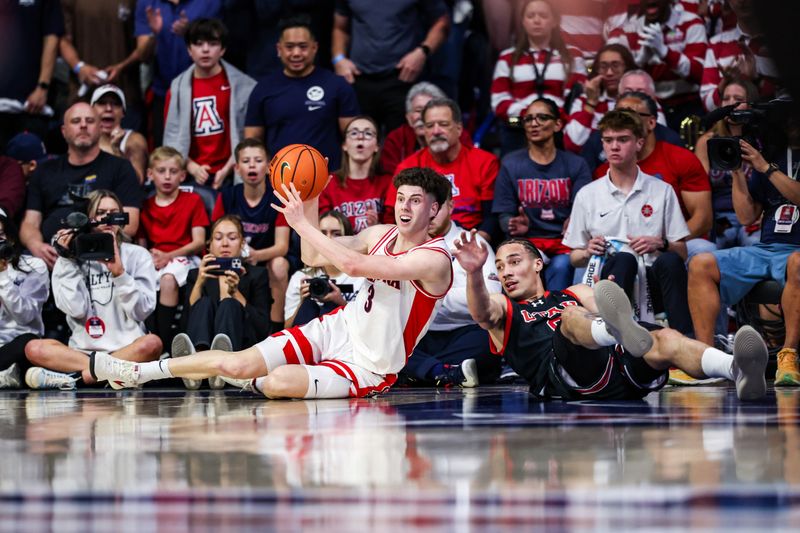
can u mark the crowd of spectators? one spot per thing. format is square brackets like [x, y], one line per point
[169, 110]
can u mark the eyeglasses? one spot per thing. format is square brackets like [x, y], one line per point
[355, 134]
[614, 65]
[538, 117]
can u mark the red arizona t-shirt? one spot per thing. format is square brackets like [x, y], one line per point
[356, 198]
[472, 174]
[211, 104]
[675, 165]
[170, 227]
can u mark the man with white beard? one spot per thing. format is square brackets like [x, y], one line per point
[470, 170]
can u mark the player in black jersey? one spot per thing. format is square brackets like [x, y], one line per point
[582, 343]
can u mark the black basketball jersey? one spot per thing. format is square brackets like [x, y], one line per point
[529, 339]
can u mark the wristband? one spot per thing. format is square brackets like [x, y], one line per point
[425, 49]
[78, 66]
[337, 58]
[664, 246]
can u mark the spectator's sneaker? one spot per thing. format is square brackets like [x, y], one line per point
[118, 373]
[616, 311]
[244, 385]
[787, 374]
[220, 342]
[41, 378]
[182, 346]
[750, 357]
[463, 375]
[10, 377]
[680, 378]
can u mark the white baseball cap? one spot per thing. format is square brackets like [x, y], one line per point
[105, 89]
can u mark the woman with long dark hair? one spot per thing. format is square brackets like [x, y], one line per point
[539, 65]
[24, 286]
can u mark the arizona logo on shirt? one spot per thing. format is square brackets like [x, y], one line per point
[206, 117]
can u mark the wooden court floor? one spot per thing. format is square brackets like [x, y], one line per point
[485, 459]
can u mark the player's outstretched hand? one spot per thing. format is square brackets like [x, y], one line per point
[470, 252]
[291, 205]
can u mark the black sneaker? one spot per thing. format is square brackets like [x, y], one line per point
[463, 375]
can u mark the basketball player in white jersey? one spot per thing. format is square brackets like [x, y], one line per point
[357, 349]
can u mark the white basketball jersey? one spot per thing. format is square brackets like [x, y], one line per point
[389, 317]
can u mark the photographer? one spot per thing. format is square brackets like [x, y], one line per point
[772, 195]
[24, 286]
[231, 301]
[106, 302]
[313, 292]
[728, 231]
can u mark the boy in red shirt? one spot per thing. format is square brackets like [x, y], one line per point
[173, 227]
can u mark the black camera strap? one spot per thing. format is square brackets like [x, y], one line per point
[540, 76]
[86, 270]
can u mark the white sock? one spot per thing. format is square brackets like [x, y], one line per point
[717, 364]
[154, 370]
[258, 384]
[601, 335]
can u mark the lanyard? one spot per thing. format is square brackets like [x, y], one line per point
[92, 301]
[540, 75]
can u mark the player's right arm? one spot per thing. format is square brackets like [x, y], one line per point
[488, 310]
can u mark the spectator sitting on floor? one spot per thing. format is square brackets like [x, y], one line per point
[85, 168]
[234, 302]
[455, 350]
[24, 287]
[109, 102]
[106, 303]
[409, 137]
[536, 188]
[357, 189]
[206, 106]
[470, 170]
[772, 194]
[266, 233]
[728, 231]
[173, 229]
[628, 226]
[302, 305]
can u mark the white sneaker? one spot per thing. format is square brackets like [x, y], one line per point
[41, 378]
[182, 346]
[221, 342]
[244, 385]
[119, 374]
[750, 357]
[10, 378]
[616, 311]
[470, 369]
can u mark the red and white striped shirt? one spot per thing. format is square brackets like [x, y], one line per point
[389, 317]
[582, 22]
[678, 74]
[723, 51]
[510, 97]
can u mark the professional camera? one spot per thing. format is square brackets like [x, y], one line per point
[758, 124]
[318, 287]
[88, 246]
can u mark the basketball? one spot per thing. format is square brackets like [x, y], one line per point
[302, 165]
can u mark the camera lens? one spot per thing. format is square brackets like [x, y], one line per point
[318, 287]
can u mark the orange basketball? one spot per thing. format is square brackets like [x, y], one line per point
[302, 165]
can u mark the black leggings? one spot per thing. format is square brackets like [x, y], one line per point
[14, 352]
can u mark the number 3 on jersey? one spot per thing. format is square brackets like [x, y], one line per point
[370, 296]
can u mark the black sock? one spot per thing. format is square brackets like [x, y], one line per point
[165, 316]
[276, 326]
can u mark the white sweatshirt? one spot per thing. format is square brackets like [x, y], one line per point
[22, 295]
[122, 303]
[454, 312]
